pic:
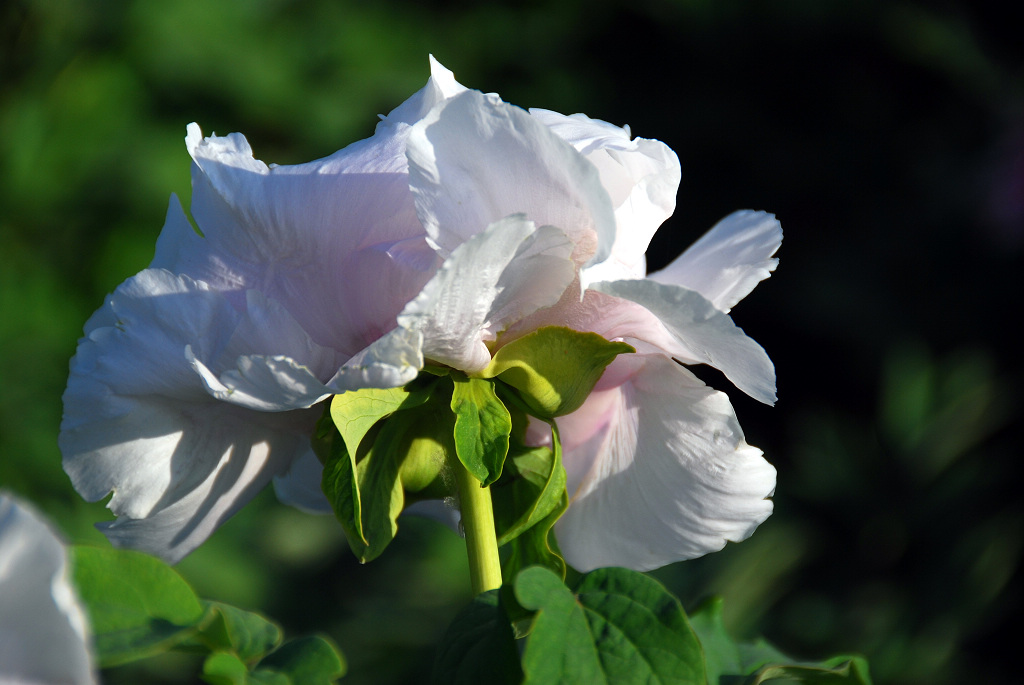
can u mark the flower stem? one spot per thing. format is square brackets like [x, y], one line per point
[478, 524]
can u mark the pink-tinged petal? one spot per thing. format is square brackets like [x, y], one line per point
[139, 422]
[475, 159]
[306, 235]
[659, 471]
[311, 235]
[702, 334]
[729, 260]
[641, 177]
[495, 278]
[44, 636]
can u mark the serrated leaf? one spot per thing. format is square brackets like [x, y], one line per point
[751, 663]
[478, 646]
[554, 368]
[246, 634]
[619, 627]
[482, 427]
[312, 660]
[138, 606]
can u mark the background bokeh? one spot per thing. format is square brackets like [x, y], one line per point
[888, 137]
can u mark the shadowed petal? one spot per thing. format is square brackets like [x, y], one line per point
[279, 383]
[658, 469]
[139, 422]
[43, 629]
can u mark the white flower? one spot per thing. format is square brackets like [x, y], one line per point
[44, 636]
[461, 225]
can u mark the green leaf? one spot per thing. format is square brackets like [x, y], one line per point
[312, 660]
[529, 491]
[355, 412]
[478, 646]
[406, 452]
[138, 605]
[620, 627]
[339, 482]
[527, 504]
[246, 634]
[482, 427]
[222, 668]
[751, 663]
[554, 368]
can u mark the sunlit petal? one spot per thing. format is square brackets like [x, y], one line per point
[729, 260]
[659, 471]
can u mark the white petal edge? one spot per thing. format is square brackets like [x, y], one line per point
[475, 159]
[663, 472]
[276, 383]
[706, 334]
[44, 635]
[641, 177]
[728, 261]
[496, 277]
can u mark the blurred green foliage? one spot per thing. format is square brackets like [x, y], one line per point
[886, 136]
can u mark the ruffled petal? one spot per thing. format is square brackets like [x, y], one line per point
[641, 177]
[729, 260]
[139, 422]
[44, 636]
[475, 159]
[702, 334]
[659, 471]
[495, 278]
[279, 383]
[311, 235]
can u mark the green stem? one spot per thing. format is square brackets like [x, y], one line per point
[478, 524]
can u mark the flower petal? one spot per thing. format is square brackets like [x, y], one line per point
[641, 177]
[704, 334]
[659, 471]
[43, 628]
[729, 260]
[138, 421]
[495, 278]
[310, 235]
[279, 383]
[475, 159]
[300, 487]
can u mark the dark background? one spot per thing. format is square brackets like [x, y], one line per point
[888, 137]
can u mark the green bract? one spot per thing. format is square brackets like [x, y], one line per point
[554, 368]
[382, 448]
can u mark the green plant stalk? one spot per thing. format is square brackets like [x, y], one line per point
[478, 525]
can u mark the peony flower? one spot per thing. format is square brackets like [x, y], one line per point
[44, 635]
[461, 225]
